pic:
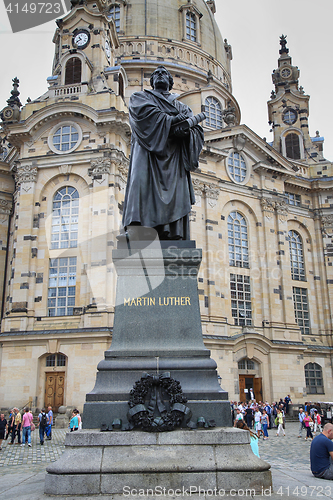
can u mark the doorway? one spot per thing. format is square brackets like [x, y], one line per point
[250, 385]
[54, 389]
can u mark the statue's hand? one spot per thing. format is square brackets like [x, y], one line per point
[179, 118]
[180, 132]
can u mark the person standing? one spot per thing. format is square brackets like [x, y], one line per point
[264, 423]
[287, 401]
[249, 416]
[42, 424]
[279, 418]
[26, 426]
[3, 428]
[317, 422]
[74, 422]
[16, 425]
[301, 424]
[257, 422]
[50, 423]
[307, 421]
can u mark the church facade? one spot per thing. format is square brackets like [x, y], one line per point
[263, 214]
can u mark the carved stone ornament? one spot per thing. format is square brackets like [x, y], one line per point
[123, 171]
[6, 207]
[99, 167]
[212, 194]
[327, 224]
[65, 169]
[267, 204]
[239, 142]
[198, 187]
[28, 173]
[282, 209]
[158, 415]
[229, 115]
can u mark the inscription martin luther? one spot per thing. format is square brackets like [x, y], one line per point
[162, 301]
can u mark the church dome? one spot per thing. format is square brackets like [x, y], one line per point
[177, 33]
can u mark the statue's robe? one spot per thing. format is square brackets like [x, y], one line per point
[159, 191]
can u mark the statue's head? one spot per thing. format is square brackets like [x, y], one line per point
[161, 76]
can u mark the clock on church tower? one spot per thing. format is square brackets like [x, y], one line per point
[85, 42]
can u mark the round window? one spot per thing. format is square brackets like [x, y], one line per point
[65, 138]
[289, 117]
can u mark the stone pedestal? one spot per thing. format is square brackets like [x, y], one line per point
[117, 463]
[157, 328]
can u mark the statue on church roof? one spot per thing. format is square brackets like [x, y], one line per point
[283, 43]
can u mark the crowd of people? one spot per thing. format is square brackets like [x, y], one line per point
[260, 417]
[19, 425]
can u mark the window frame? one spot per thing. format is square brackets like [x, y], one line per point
[244, 261]
[292, 200]
[307, 373]
[294, 257]
[300, 312]
[243, 158]
[56, 128]
[184, 9]
[76, 71]
[241, 281]
[56, 282]
[65, 228]
[217, 110]
[299, 134]
[116, 20]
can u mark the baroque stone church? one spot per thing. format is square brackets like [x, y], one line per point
[263, 214]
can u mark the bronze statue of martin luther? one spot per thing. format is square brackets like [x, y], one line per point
[166, 143]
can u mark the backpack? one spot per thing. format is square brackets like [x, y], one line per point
[43, 420]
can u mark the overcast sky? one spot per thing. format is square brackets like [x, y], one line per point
[252, 28]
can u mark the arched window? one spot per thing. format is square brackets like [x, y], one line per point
[314, 378]
[238, 240]
[213, 110]
[115, 14]
[121, 85]
[296, 256]
[237, 167]
[293, 150]
[191, 26]
[65, 218]
[73, 71]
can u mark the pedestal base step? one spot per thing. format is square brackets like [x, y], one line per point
[122, 463]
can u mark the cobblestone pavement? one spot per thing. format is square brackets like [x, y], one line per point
[22, 469]
[35, 458]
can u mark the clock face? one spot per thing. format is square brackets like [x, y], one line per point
[285, 73]
[81, 39]
[107, 49]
